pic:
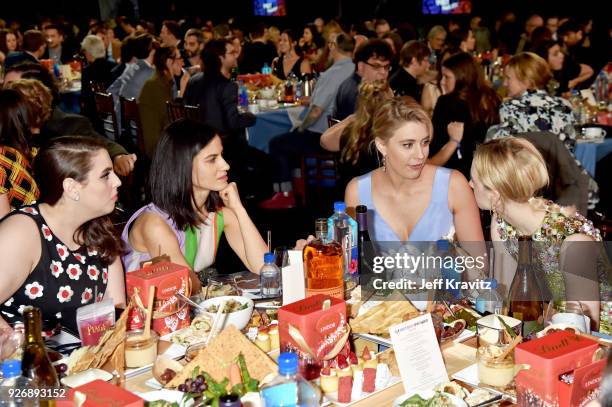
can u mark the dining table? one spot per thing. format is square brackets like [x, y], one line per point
[272, 122]
[589, 152]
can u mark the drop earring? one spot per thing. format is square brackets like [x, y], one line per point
[384, 163]
[76, 198]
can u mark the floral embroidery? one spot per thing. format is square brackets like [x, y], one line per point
[56, 268]
[62, 251]
[80, 258]
[34, 290]
[93, 273]
[74, 271]
[46, 232]
[65, 293]
[86, 296]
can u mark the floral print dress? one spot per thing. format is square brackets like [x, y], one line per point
[556, 227]
[62, 281]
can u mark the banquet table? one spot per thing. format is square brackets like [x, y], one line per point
[589, 153]
[271, 123]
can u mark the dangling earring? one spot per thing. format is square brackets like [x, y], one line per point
[77, 197]
[384, 163]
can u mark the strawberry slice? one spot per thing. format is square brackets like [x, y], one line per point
[342, 363]
[365, 355]
[353, 358]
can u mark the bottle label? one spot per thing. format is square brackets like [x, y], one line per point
[284, 394]
[336, 292]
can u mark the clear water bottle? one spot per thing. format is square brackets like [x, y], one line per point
[489, 301]
[12, 380]
[266, 70]
[343, 229]
[289, 388]
[270, 277]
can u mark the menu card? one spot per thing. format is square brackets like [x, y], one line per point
[293, 278]
[418, 354]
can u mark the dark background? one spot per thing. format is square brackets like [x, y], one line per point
[299, 11]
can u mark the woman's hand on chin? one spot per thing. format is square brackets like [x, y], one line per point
[230, 196]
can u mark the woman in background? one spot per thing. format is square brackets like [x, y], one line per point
[463, 114]
[8, 43]
[290, 59]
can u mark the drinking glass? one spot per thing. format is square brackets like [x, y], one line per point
[281, 255]
[568, 313]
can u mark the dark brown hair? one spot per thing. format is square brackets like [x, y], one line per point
[14, 126]
[71, 157]
[470, 86]
[162, 54]
[170, 179]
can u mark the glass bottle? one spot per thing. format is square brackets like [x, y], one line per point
[343, 229]
[323, 264]
[526, 302]
[363, 237]
[35, 363]
[289, 388]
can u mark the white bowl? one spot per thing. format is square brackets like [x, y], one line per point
[427, 394]
[86, 376]
[239, 319]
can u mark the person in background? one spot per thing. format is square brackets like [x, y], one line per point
[482, 34]
[290, 59]
[396, 43]
[8, 43]
[17, 185]
[468, 107]
[414, 60]
[127, 56]
[432, 88]
[159, 89]
[552, 23]
[193, 44]
[65, 124]
[258, 52]
[170, 33]
[273, 36]
[57, 49]
[97, 73]
[192, 205]
[285, 148]
[462, 39]
[319, 23]
[34, 45]
[436, 38]
[61, 253]
[407, 198]
[566, 70]
[311, 43]
[381, 27]
[534, 21]
[372, 63]
[506, 174]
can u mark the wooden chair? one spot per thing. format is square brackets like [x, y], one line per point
[105, 111]
[132, 126]
[177, 110]
[319, 175]
[97, 87]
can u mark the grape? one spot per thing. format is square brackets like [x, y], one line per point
[203, 387]
[188, 382]
[182, 387]
[200, 378]
[62, 367]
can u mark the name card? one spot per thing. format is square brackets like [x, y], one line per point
[293, 278]
[418, 354]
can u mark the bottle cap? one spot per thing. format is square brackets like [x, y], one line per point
[269, 258]
[287, 363]
[339, 206]
[443, 245]
[11, 368]
[361, 209]
[492, 281]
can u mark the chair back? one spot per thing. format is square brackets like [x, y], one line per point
[132, 126]
[177, 110]
[105, 111]
[569, 183]
[96, 86]
[319, 174]
[331, 121]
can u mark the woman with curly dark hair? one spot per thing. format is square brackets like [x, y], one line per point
[61, 253]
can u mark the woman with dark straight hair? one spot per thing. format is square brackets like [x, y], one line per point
[192, 205]
[17, 186]
[61, 253]
[468, 107]
[291, 59]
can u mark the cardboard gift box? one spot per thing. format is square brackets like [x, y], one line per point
[169, 314]
[551, 358]
[315, 328]
[103, 394]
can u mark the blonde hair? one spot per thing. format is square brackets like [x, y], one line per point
[38, 98]
[531, 69]
[395, 112]
[512, 166]
[371, 95]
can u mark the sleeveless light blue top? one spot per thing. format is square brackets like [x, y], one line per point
[436, 221]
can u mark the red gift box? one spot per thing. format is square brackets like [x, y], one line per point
[103, 394]
[550, 357]
[313, 330]
[169, 314]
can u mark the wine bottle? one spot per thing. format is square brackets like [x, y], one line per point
[35, 363]
[323, 264]
[525, 298]
[363, 237]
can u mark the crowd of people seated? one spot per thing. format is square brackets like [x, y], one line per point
[418, 131]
